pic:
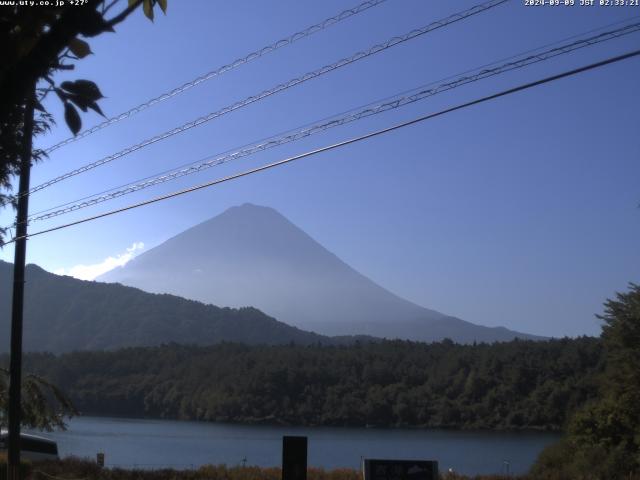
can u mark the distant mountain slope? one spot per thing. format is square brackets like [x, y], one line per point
[64, 314]
[251, 255]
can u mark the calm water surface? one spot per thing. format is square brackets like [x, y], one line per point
[164, 443]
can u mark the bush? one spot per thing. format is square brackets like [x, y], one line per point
[25, 467]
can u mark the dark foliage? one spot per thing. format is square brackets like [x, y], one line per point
[44, 406]
[603, 439]
[37, 42]
[515, 385]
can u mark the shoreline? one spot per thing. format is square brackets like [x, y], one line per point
[267, 423]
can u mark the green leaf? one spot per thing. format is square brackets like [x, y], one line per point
[84, 88]
[147, 8]
[89, 89]
[163, 5]
[26, 45]
[84, 104]
[79, 48]
[81, 102]
[94, 24]
[72, 117]
[94, 106]
[67, 85]
[61, 95]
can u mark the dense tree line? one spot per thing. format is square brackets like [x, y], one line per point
[514, 385]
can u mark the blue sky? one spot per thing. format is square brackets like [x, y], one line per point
[521, 212]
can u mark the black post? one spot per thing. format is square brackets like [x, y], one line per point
[15, 367]
[294, 458]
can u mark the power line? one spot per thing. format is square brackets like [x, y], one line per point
[350, 141]
[390, 103]
[386, 99]
[225, 68]
[392, 42]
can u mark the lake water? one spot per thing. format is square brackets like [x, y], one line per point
[164, 443]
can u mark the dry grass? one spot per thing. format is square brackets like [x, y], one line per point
[79, 469]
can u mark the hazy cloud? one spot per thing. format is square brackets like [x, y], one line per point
[89, 272]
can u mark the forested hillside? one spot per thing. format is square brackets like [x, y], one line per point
[520, 384]
[64, 314]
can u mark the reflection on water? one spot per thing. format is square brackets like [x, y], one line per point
[164, 443]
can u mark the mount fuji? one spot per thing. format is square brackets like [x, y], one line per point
[253, 256]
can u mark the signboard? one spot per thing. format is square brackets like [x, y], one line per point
[400, 469]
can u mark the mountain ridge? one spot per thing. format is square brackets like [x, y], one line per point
[64, 314]
[253, 255]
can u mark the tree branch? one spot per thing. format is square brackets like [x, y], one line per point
[108, 7]
[124, 14]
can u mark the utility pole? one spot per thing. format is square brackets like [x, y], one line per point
[15, 366]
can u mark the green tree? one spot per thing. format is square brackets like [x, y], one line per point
[44, 406]
[38, 41]
[603, 438]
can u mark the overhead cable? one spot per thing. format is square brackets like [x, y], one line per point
[390, 103]
[223, 69]
[350, 141]
[386, 99]
[392, 42]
